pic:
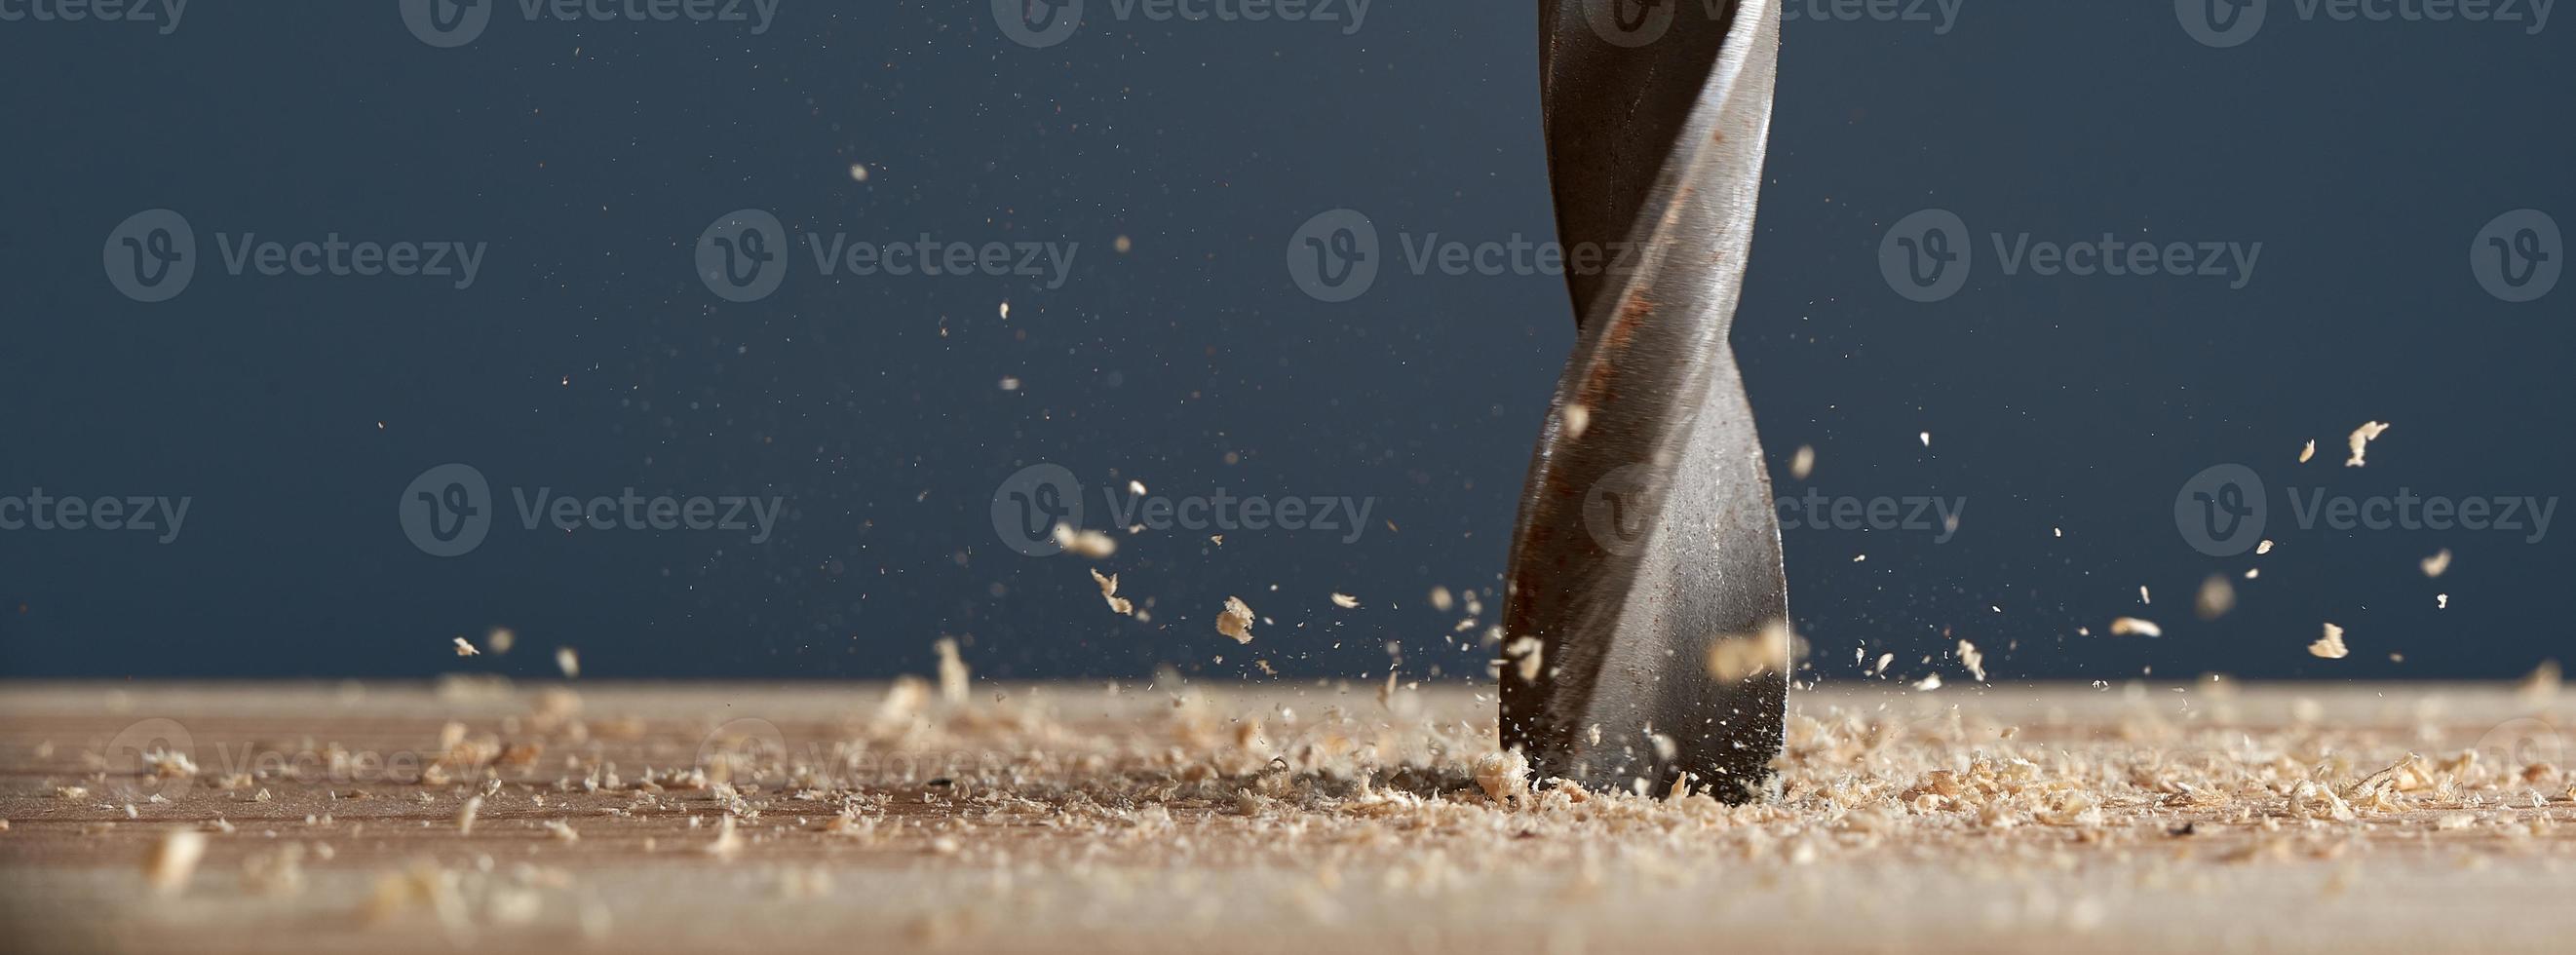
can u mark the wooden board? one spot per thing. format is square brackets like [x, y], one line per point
[1061, 818]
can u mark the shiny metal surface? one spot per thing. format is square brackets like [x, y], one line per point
[1646, 530]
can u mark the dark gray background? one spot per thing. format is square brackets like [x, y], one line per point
[589, 357]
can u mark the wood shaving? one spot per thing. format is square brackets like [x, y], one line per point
[2308, 452]
[2217, 597]
[501, 639]
[2135, 627]
[1441, 599]
[2437, 564]
[1109, 592]
[1972, 659]
[2540, 687]
[1578, 419]
[568, 660]
[953, 675]
[465, 815]
[1346, 601]
[728, 843]
[2361, 439]
[1743, 656]
[173, 860]
[1089, 544]
[465, 649]
[2264, 546]
[1929, 682]
[1503, 776]
[1236, 620]
[2330, 646]
[1803, 463]
[168, 764]
[904, 700]
[1526, 655]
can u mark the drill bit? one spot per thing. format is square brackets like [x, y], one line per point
[1647, 533]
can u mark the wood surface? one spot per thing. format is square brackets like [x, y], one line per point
[1317, 817]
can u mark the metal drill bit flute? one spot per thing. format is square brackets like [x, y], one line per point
[1646, 531]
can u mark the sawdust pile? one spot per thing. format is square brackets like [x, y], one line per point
[1077, 797]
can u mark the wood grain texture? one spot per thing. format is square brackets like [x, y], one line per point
[1063, 818]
